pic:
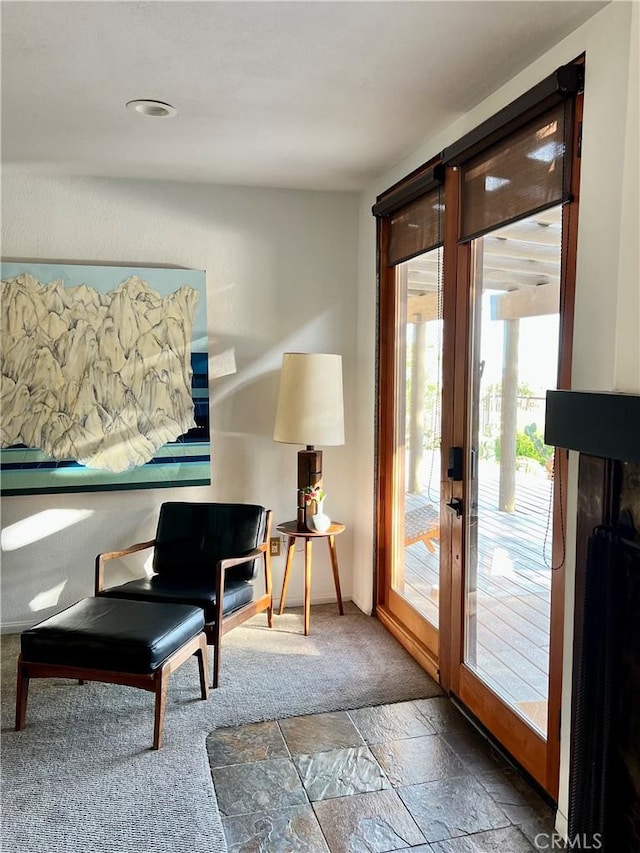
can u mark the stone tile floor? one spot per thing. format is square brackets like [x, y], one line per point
[413, 776]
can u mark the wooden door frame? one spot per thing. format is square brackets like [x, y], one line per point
[413, 631]
[540, 757]
[570, 214]
[448, 667]
[452, 359]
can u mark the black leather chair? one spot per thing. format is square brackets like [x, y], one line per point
[208, 555]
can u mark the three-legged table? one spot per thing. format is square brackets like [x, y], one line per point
[290, 529]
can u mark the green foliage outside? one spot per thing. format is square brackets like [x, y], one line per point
[530, 444]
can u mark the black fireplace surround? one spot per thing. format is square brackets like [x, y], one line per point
[600, 423]
[604, 778]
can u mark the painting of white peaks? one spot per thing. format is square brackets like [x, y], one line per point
[104, 378]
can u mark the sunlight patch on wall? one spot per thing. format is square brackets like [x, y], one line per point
[48, 598]
[40, 526]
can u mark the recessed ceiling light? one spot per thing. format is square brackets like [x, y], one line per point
[157, 109]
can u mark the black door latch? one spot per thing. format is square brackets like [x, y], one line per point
[454, 469]
[455, 505]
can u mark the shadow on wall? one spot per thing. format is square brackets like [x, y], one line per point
[245, 403]
[242, 451]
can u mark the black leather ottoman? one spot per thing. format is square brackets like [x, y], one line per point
[135, 643]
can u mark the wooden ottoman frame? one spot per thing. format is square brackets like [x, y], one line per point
[155, 681]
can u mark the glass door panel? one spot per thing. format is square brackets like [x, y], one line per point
[514, 360]
[416, 572]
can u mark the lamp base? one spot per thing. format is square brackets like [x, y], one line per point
[309, 474]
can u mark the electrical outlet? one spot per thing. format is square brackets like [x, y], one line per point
[274, 546]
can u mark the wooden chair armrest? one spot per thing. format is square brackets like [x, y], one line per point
[101, 559]
[229, 562]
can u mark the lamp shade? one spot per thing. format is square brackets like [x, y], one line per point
[310, 406]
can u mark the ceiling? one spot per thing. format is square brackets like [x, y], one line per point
[313, 95]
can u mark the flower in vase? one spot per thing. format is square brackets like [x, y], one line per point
[314, 493]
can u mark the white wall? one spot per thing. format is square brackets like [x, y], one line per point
[281, 271]
[627, 368]
[607, 316]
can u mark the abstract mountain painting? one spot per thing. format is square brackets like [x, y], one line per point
[104, 380]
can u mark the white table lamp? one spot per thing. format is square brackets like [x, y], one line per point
[310, 411]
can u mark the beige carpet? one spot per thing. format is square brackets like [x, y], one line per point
[82, 778]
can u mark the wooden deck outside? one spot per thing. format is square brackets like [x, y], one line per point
[513, 590]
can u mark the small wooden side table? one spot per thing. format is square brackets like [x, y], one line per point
[290, 529]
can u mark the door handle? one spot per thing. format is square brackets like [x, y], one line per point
[455, 505]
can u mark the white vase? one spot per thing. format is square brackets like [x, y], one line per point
[320, 521]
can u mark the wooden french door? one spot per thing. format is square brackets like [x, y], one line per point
[412, 422]
[514, 286]
[477, 595]
[475, 589]
[508, 578]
